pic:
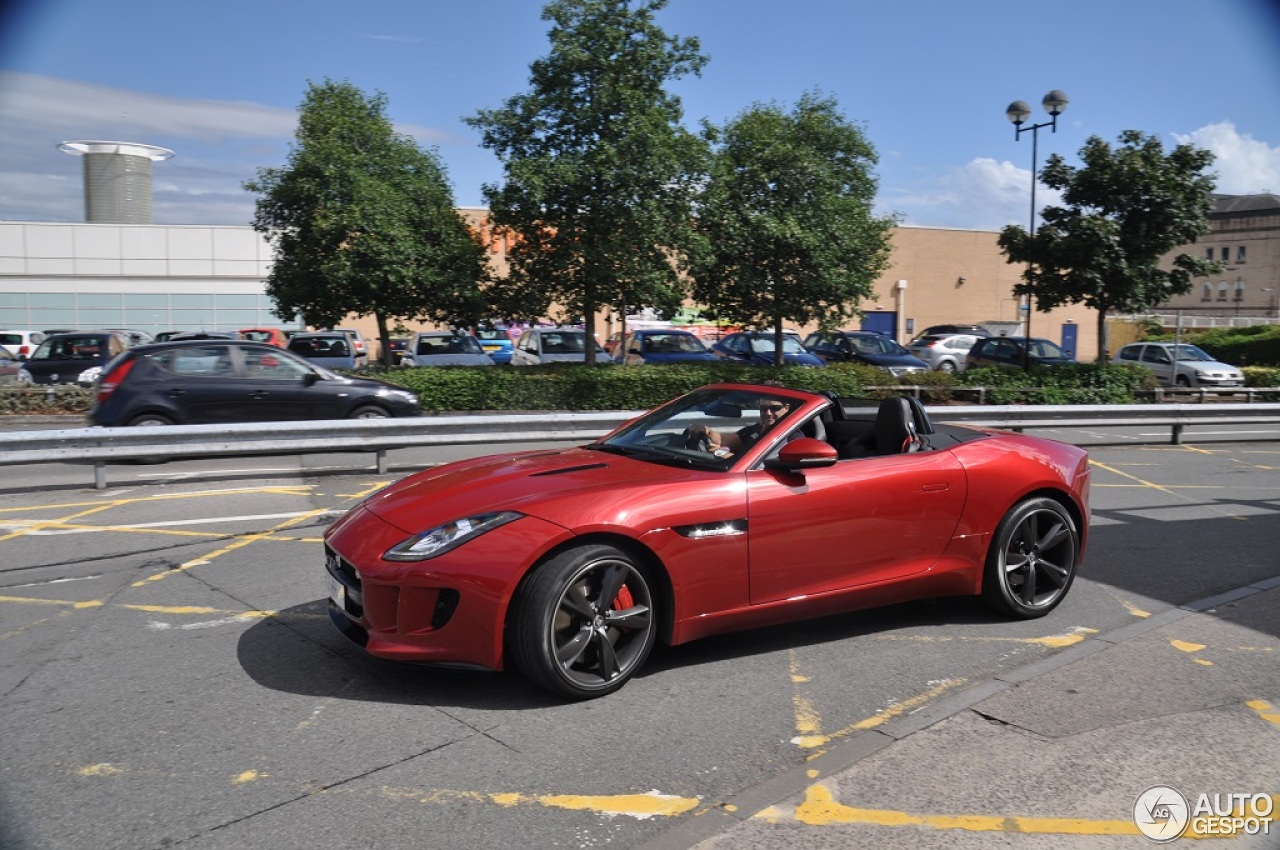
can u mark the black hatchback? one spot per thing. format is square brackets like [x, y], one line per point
[215, 381]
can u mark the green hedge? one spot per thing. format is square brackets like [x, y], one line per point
[45, 400]
[1256, 345]
[1075, 383]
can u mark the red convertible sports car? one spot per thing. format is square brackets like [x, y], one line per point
[730, 507]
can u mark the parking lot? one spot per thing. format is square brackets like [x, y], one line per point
[168, 676]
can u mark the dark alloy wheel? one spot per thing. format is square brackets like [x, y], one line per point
[1032, 560]
[584, 622]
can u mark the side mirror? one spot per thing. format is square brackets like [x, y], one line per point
[310, 378]
[803, 453]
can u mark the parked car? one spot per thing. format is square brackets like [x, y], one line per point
[398, 346]
[653, 346]
[11, 371]
[758, 348]
[867, 347]
[497, 343]
[271, 336]
[445, 348]
[21, 343]
[1180, 364]
[507, 557]
[330, 349]
[213, 381]
[972, 330]
[1008, 351]
[943, 352]
[538, 346]
[180, 335]
[358, 345]
[73, 358]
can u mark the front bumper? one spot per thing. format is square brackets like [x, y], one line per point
[450, 609]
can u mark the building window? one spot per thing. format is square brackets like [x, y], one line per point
[1222, 290]
[1208, 254]
[1240, 289]
[1226, 254]
[1207, 293]
[1240, 255]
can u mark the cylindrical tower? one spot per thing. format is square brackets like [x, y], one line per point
[117, 179]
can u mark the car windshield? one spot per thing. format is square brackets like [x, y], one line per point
[1189, 352]
[429, 344]
[673, 344]
[71, 348]
[764, 345]
[876, 344]
[1046, 349]
[665, 436]
[498, 334]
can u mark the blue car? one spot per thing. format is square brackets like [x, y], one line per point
[496, 342]
[866, 347]
[757, 348]
[661, 346]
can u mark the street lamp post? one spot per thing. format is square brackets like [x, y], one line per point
[1055, 102]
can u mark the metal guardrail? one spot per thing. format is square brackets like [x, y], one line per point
[99, 446]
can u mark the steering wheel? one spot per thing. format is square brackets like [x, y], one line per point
[698, 442]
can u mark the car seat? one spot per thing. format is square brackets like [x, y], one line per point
[894, 432]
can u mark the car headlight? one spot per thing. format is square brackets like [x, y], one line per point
[451, 535]
[403, 395]
[88, 376]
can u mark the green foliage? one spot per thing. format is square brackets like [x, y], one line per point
[786, 218]
[1122, 212]
[598, 171]
[1075, 383]
[363, 221]
[52, 400]
[1256, 345]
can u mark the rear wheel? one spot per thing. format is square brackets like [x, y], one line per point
[946, 366]
[584, 622]
[369, 411]
[1032, 560]
[146, 420]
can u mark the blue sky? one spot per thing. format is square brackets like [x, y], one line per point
[928, 81]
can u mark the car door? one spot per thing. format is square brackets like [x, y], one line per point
[1157, 359]
[199, 384]
[278, 387]
[859, 522]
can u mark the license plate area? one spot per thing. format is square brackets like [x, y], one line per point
[336, 589]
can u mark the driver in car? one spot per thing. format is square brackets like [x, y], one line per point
[772, 411]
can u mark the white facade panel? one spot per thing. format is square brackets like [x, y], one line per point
[144, 243]
[144, 268]
[94, 266]
[97, 243]
[13, 241]
[51, 265]
[191, 267]
[238, 268]
[190, 243]
[240, 244]
[50, 240]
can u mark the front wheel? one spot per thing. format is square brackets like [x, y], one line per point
[147, 420]
[946, 366]
[1032, 560]
[369, 411]
[584, 622]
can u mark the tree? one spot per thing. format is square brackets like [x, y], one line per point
[1124, 210]
[363, 221]
[787, 218]
[598, 172]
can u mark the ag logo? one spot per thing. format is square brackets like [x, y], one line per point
[1161, 813]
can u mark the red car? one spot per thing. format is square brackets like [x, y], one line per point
[731, 507]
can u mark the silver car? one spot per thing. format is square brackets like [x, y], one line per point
[554, 345]
[943, 352]
[444, 348]
[1180, 364]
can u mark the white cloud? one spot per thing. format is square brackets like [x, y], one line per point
[1244, 165]
[983, 194]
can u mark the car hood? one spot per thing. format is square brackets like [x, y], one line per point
[892, 360]
[574, 488]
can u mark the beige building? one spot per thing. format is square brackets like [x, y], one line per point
[1245, 238]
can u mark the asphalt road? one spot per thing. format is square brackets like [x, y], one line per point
[168, 676]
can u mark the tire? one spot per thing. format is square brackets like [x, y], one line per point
[147, 420]
[1183, 381]
[584, 622]
[947, 366]
[1032, 560]
[369, 411]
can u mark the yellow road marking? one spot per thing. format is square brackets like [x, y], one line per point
[27, 600]
[1071, 638]
[240, 543]
[1265, 710]
[641, 806]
